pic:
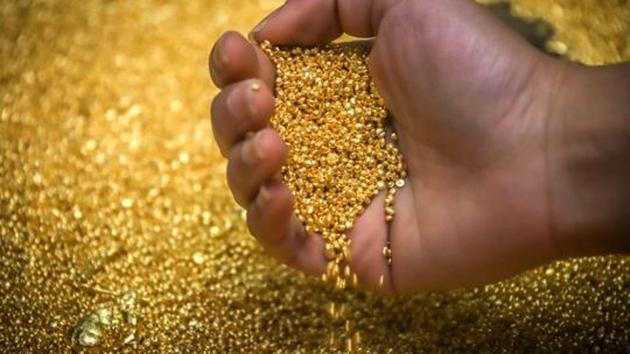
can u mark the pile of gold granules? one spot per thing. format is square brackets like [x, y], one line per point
[118, 231]
[333, 121]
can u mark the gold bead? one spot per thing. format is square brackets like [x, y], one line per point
[329, 252]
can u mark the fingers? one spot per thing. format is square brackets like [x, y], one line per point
[271, 220]
[245, 105]
[313, 22]
[240, 108]
[233, 59]
[254, 161]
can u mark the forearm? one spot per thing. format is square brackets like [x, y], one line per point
[589, 164]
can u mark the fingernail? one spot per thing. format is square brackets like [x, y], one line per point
[235, 105]
[249, 97]
[219, 59]
[258, 143]
[232, 104]
[252, 35]
[264, 195]
[253, 151]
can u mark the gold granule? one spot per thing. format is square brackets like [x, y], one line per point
[387, 253]
[331, 117]
[198, 258]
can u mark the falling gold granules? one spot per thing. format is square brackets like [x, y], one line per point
[106, 149]
[334, 123]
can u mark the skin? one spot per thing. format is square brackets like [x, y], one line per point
[507, 167]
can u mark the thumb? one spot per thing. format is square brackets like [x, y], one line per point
[314, 22]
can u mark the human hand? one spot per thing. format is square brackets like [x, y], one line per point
[471, 102]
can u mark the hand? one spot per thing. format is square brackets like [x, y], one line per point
[471, 103]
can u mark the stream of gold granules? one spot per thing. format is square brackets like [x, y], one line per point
[116, 221]
[329, 113]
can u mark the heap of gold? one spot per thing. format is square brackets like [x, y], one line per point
[342, 152]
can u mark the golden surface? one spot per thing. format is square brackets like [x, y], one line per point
[114, 211]
[592, 32]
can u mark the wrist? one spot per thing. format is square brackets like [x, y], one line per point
[588, 160]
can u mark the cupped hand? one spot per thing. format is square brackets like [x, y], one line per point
[470, 101]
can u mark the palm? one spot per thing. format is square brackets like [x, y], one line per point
[474, 149]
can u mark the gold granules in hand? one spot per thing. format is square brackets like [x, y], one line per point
[334, 123]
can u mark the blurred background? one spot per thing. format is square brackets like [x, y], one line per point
[118, 233]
